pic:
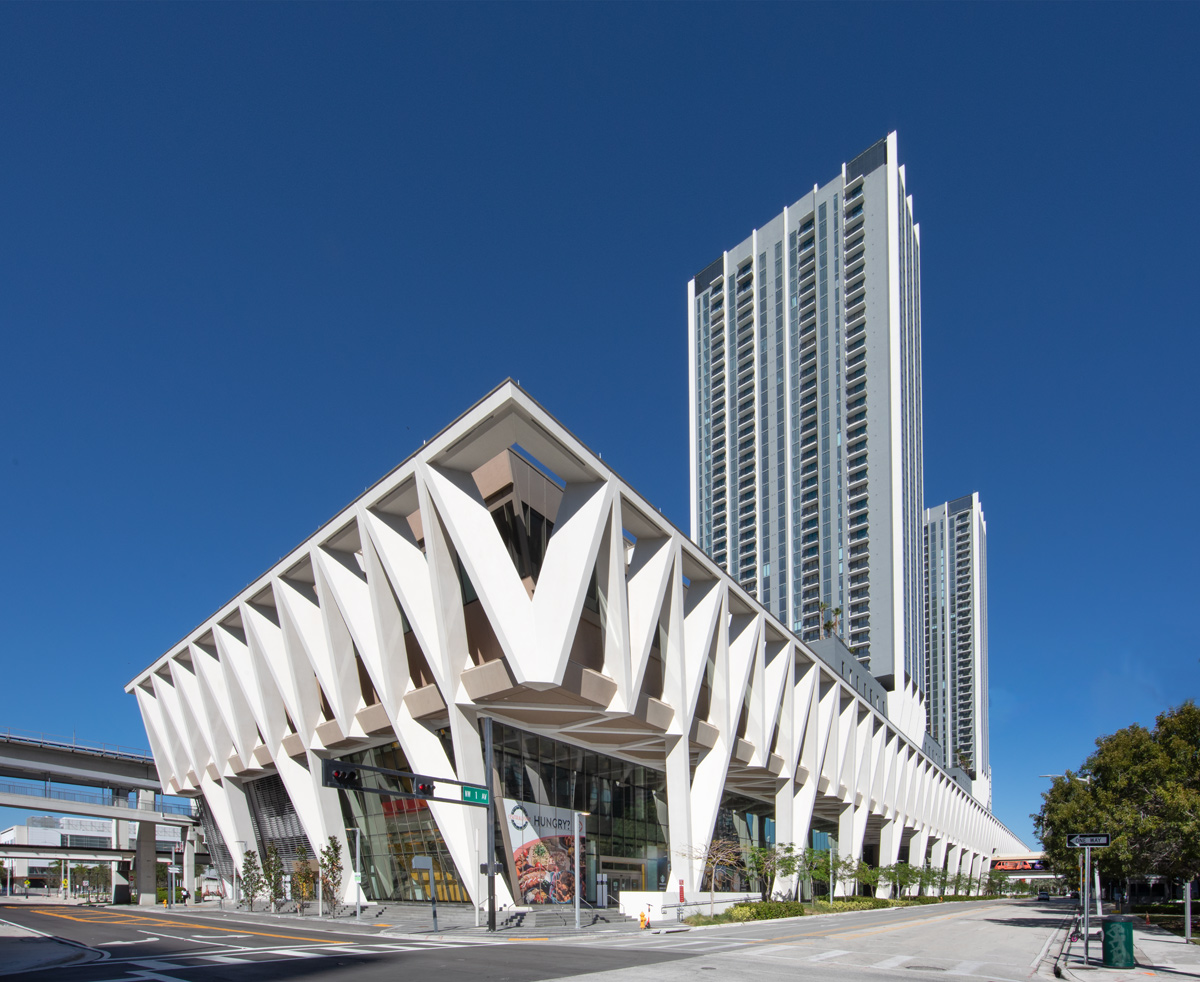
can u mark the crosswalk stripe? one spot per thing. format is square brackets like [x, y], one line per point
[831, 953]
[224, 959]
[965, 968]
[893, 962]
[296, 953]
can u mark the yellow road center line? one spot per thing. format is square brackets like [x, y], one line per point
[131, 919]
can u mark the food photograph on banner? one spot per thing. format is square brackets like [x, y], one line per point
[542, 840]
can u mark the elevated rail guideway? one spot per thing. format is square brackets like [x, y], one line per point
[127, 789]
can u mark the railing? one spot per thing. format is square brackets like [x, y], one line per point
[62, 743]
[160, 804]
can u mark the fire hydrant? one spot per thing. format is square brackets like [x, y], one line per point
[643, 920]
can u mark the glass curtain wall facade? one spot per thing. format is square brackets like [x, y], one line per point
[625, 832]
[805, 429]
[394, 831]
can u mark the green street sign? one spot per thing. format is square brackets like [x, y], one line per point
[476, 796]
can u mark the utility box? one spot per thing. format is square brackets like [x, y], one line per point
[1118, 942]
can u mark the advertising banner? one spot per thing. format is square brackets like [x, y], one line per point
[543, 844]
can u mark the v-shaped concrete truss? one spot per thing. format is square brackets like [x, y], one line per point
[410, 612]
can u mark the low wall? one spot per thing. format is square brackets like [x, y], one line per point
[666, 906]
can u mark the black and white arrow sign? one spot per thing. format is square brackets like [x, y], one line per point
[1081, 839]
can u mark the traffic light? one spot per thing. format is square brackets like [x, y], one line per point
[345, 777]
[339, 774]
[423, 787]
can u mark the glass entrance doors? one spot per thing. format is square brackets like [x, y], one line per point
[623, 874]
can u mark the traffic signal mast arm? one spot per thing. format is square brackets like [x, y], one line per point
[348, 777]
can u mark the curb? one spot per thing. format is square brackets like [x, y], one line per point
[75, 952]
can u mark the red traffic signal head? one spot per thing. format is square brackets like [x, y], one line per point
[423, 787]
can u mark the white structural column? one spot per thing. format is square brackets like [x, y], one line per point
[146, 855]
[889, 850]
[954, 861]
[189, 863]
[916, 853]
[937, 855]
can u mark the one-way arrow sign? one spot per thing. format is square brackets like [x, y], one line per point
[1081, 839]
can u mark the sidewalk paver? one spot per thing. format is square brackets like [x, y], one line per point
[1156, 952]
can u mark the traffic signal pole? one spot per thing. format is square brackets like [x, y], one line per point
[489, 837]
[344, 776]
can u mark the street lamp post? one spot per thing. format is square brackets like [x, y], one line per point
[576, 822]
[241, 844]
[358, 873]
[1085, 877]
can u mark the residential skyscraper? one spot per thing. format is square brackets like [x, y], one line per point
[956, 665]
[805, 417]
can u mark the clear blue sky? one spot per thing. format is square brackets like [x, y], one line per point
[253, 254]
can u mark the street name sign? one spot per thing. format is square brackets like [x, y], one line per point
[174, 869]
[1081, 840]
[476, 796]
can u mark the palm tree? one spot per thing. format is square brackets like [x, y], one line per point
[822, 606]
[834, 616]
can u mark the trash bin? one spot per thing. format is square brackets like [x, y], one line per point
[1118, 942]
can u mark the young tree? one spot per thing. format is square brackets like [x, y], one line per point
[272, 869]
[303, 878]
[768, 863]
[721, 858]
[867, 875]
[903, 876]
[253, 881]
[330, 863]
[814, 866]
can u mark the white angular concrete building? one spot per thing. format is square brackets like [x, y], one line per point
[505, 571]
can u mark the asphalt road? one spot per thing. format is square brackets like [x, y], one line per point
[992, 942]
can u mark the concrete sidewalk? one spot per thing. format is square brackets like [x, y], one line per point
[25, 950]
[1156, 952]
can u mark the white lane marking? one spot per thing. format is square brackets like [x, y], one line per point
[179, 937]
[965, 968]
[109, 944]
[776, 950]
[296, 953]
[154, 963]
[893, 962]
[228, 936]
[831, 953]
[225, 959]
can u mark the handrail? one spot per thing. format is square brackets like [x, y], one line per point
[158, 805]
[7, 734]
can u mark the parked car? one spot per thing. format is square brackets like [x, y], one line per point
[1043, 895]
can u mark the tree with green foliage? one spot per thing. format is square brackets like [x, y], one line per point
[303, 878]
[867, 875]
[813, 866]
[253, 881]
[1143, 788]
[768, 863]
[330, 863]
[272, 869]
